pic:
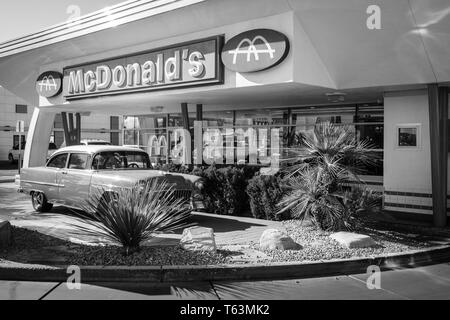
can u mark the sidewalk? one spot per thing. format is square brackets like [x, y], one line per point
[431, 282]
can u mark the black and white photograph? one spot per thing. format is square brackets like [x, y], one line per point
[235, 157]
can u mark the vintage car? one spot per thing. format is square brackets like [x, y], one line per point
[73, 173]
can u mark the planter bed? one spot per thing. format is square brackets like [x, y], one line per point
[31, 247]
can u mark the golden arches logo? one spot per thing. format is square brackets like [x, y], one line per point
[48, 83]
[157, 144]
[252, 50]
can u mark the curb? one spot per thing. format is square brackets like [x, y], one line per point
[275, 271]
[7, 180]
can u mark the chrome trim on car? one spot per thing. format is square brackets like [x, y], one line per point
[44, 183]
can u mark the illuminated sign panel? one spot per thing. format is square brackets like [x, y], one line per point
[188, 64]
[255, 50]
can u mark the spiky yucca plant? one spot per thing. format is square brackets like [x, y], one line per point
[133, 215]
[327, 158]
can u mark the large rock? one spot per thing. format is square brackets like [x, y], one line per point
[5, 234]
[198, 239]
[353, 240]
[273, 239]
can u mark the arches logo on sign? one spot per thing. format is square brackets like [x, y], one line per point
[255, 50]
[49, 84]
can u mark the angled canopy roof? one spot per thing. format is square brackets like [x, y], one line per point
[333, 47]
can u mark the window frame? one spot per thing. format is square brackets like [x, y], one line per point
[87, 166]
[149, 163]
[417, 126]
[54, 157]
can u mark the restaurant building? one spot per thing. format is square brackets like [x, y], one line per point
[278, 67]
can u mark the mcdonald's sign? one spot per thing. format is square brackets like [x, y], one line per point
[255, 50]
[49, 84]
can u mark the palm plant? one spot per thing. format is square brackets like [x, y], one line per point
[326, 159]
[333, 148]
[133, 215]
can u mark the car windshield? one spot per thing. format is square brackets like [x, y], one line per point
[121, 160]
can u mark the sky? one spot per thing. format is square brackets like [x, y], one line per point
[21, 17]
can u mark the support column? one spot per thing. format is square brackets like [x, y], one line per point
[438, 109]
[72, 134]
[38, 139]
[199, 112]
[198, 137]
[185, 116]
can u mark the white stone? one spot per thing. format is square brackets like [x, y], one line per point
[198, 239]
[273, 239]
[353, 240]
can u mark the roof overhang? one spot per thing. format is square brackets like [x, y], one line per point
[332, 48]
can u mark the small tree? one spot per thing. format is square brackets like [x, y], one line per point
[326, 160]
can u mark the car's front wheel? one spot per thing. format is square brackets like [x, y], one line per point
[39, 201]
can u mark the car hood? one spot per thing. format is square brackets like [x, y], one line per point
[134, 176]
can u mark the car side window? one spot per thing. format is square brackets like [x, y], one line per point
[58, 162]
[78, 161]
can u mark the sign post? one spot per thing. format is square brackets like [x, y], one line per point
[20, 129]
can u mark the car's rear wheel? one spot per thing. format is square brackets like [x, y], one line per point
[11, 159]
[39, 201]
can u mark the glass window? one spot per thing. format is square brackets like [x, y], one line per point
[58, 161]
[121, 160]
[16, 142]
[218, 118]
[260, 117]
[21, 108]
[78, 161]
[176, 120]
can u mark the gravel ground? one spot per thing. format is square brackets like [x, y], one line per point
[317, 245]
[31, 247]
[152, 256]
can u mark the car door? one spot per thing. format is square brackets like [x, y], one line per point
[75, 180]
[49, 176]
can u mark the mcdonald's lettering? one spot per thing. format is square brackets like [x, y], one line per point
[49, 84]
[186, 64]
[255, 50]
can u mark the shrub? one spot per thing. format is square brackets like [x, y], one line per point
[264, 193]
[134, 215]
[224, 186]
[224, 191]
